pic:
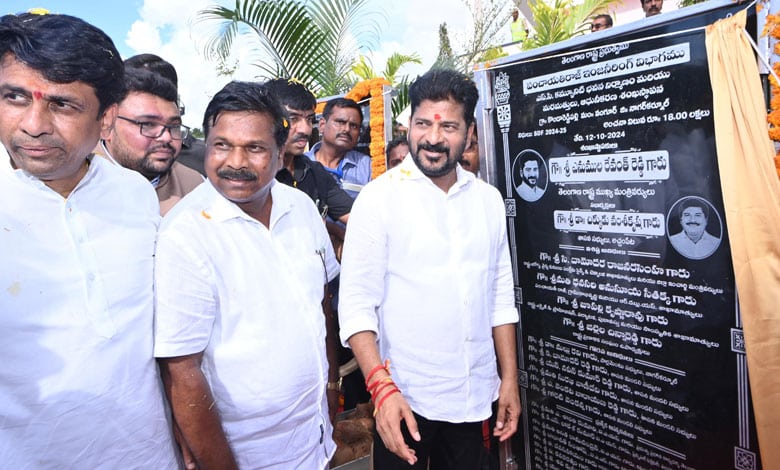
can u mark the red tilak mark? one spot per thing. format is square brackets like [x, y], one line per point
[437, 117]
[37, 95]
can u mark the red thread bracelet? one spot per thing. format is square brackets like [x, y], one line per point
[376, 369]
[379, 405]
[375, 393]
[376, 383]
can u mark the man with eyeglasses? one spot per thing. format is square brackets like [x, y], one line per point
[147, 136]
[600, 22]
[340, 129]
[193, 150]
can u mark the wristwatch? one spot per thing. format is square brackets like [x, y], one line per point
[334, 385]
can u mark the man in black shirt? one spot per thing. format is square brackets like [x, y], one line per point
[299, 171]
[333, 203]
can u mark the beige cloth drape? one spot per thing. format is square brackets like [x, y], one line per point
[751, 196]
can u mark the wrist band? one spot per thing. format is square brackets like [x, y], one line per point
[375, 393]
[376, 383]
[385, 366]
[379, 405]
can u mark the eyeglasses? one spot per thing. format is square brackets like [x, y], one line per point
[598, 26]
[154, 130]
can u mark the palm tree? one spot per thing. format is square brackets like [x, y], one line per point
[363, 70]
[561, 20]
[315, 41]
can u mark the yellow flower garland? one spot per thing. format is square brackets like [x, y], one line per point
[773, 118]
[376, 111]
[372, 88]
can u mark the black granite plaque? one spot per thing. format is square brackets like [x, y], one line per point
[632, 352]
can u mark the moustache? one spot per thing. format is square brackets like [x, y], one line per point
[237, 175]
[166, 146]
[301, 136]
[438, 148]
[344, 134]
[45, 141]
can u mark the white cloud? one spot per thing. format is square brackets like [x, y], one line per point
[143, 37]
[171, 30]
[414, 27]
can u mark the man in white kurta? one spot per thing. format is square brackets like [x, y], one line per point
[433, 294]
[249, 297]
[78, 383]
[427, 274]
[694, 241]
[242, 262]
[79, 387]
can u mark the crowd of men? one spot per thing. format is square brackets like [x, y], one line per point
[207, 338]
[604, 21]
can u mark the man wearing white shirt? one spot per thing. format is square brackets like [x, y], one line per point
[694, 241]
[241, 266]
[529, 189]
[426, 272]
[79, 387]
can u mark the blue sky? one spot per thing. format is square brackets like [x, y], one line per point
[113, 17]
[168, 28]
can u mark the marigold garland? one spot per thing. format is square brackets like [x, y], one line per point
[373, 88]
[772, 28]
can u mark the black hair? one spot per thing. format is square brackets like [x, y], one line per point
[250, 97]
[395, 143]
[153, 63]
[146, 81]
[527, 156]
[444, 84]
[474, 139]
[607, 19]
[693, 201]
[291, 93]
[341, 103]
[65, 49]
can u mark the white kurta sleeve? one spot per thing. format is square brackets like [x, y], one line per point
[185, 303]
[363, 265]
[504, 310]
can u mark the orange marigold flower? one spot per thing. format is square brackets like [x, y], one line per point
[373, 88]
[777, 164]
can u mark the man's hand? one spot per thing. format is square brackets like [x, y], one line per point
[508, 411]
[202, 439]
[186, 455]
[389, 410]
[388, 423]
